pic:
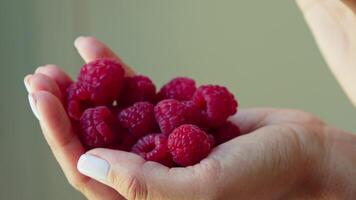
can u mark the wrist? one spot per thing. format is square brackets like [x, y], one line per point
[336, 171]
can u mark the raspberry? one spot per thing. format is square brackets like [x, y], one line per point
[137, 88]
[103, 79]
[193, 113]
[217, 104]
[226, 132]
[188, 145]
[138, 118]
[98, 128]
[127, 140]
[169, 114]
[153, 147]
[180, 88]
[77, 100]
[212, 140]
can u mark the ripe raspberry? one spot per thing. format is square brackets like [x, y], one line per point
[98, 128]
[180, 88]
[226, 132]
[169, 114]
[137, 88]
[188, 145]
[217, 104]
[153, 147]
[77, 100]
[103, 79]
[193, 113]
[212, 140]
[127, 140]
[138, 118]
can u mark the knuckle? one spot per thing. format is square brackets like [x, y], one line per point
[135, 190]
[208, 173]
[76, 184]
[304, 117]
[130, 183]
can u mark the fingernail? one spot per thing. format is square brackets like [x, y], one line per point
[93, 167]
[78, 40]
[32, 101]
[38, 69]
[27, 83]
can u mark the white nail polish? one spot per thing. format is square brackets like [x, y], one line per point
[78, 40]
[28, 88]
[33, 105]
[93, 167]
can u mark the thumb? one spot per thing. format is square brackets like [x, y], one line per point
[117, 169]
[135, 178]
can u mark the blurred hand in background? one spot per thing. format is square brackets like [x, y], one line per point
[333, 23]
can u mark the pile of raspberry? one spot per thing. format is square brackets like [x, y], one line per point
[176, 126]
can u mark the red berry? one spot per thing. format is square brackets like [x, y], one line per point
[180, 88]
[137, 88]
[193, 113]
[103, 79]
[153, 147]
[217, 104]
[138, 118]
[188, 145]
[169, 114]
[98, 128]
[226, 132]
[127, 140]
[212, 140]
[77, 100]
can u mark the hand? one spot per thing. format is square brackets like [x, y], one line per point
[287, 154]
[333, 23]
[46, 89]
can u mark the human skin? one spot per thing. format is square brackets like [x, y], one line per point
[333, 23]
[287, 154]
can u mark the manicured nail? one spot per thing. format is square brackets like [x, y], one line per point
[93, 167]
[32, 101]
[78, 40]
[27, 83]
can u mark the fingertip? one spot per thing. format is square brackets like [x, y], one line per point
[56, 74]
[83, 41]
[26, 81]
[91, 49]
[93, 167]
[41, 81]
[39, 69]
[44, 68]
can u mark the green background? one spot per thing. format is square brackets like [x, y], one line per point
[262, 50]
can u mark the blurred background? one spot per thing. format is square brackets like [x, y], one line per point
[263, 51]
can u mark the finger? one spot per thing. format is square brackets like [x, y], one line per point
[41, 82]
[65, 145]
[57, 74]
[58, 132]
[251, 119]
[91, 49]
[136, 179]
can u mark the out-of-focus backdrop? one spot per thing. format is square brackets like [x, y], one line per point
[261, 50]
